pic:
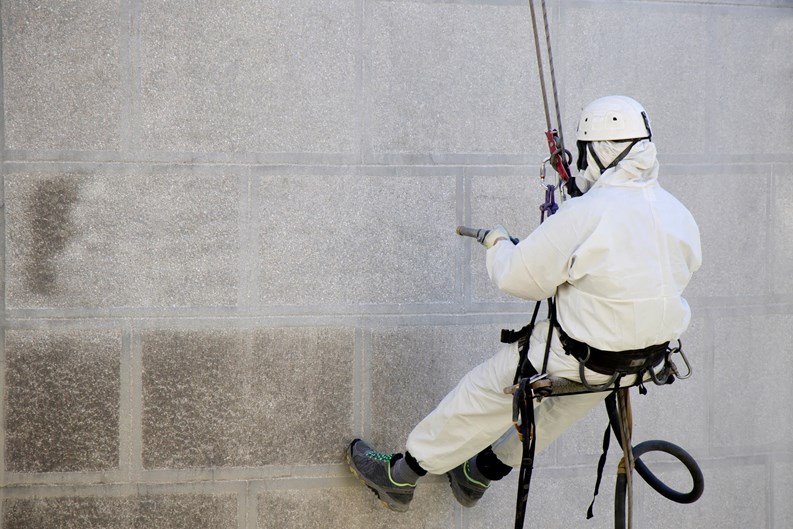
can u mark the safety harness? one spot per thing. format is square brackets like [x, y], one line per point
[530, 384]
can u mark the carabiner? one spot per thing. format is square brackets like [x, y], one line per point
[666, 370]
[585, 382]
[542, 171]
[679, 349]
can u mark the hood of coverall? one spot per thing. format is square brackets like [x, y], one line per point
[639, 168]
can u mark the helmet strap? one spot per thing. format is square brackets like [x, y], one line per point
[616, 160]
[647, 126]
[591, 149]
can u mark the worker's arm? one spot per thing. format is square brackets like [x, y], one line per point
[537, 265]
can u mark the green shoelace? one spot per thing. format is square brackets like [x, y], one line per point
[379, 456]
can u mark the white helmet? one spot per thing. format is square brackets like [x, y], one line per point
[613, 118]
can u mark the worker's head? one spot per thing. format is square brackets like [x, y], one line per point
[619, 122]
[613, 118]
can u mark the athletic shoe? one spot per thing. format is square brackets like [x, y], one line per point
[466, 489]
[374, 470]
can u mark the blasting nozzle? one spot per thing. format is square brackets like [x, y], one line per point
[477, 233]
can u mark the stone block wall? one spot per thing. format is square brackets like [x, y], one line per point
[228, 248]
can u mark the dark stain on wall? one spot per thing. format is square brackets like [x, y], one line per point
[62, 401]
[51, 228]
[172, 511]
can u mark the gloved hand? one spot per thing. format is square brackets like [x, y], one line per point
[495, 235]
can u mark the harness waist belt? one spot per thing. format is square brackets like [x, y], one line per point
[609, 362]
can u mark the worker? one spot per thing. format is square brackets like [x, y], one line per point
[617, 259]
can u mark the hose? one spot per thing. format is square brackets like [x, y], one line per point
[659, 486]
[662, 488]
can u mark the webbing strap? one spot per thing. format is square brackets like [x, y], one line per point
[551, 325]
[523, 408]
[522, 336]
[613, 425]
[525, 399]
[611, 407]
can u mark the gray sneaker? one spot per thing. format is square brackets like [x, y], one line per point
[374, 470]
[467, 491]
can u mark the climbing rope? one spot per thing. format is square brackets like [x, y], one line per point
[560, 158]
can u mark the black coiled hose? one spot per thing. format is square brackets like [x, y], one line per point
[652, 480]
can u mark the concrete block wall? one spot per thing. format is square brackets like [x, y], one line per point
[229, 249]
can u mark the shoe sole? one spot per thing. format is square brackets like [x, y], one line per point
[360, 478]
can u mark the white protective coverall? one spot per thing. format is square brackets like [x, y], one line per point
[617, 259]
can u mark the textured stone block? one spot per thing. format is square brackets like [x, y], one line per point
[452, 78]
[734, 496]
[363, 240]
[734, 253]
[432, 508]
[781, 261]
[150, 240]
[222, 398]
[751, 390]
[61, 74]
[749, 44]
[513, 202]
[650, 48]
[249, 76]
[62, 400]
[413, 368]
[182, 511]
[783, 491]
